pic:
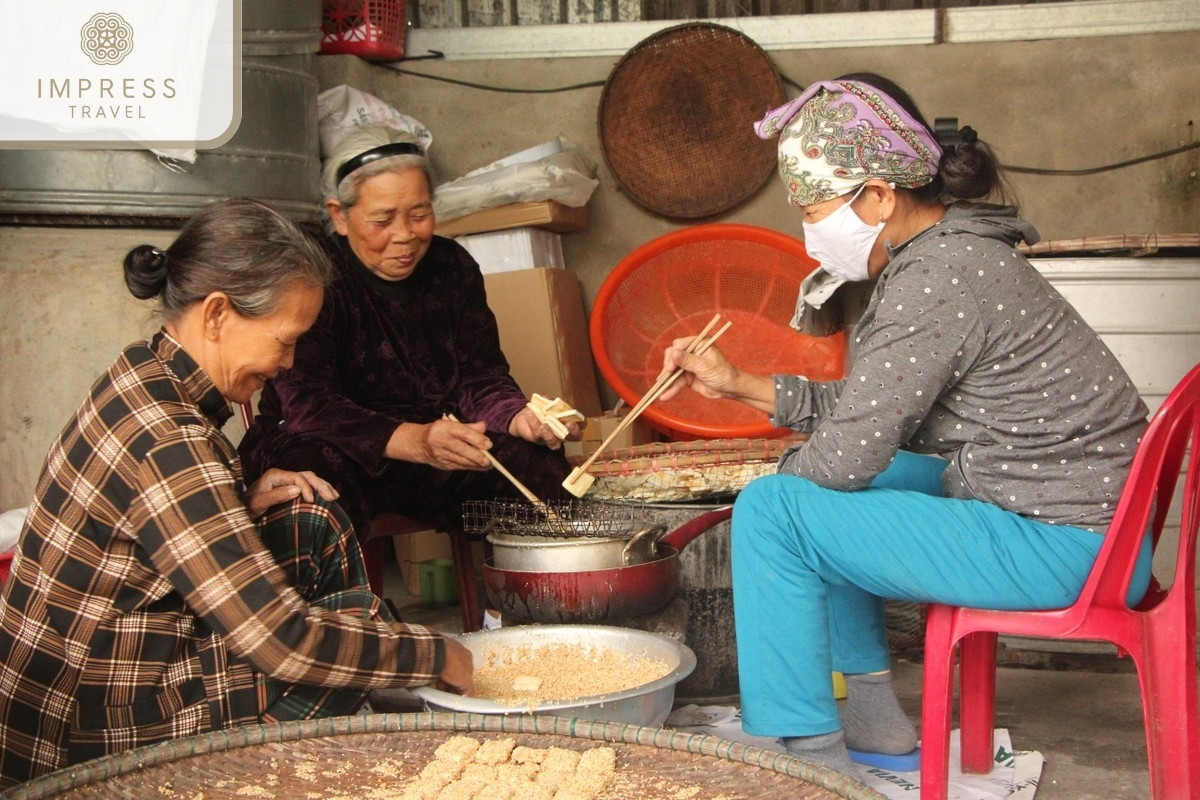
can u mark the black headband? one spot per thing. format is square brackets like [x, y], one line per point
[376, 153]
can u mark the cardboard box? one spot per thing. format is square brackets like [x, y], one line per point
[517, 248]
[544, 334]
[546, 214]
[600, 428]
[412, 549]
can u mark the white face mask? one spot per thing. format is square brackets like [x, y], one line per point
[842, 242]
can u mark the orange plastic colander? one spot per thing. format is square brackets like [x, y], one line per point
[672, 286]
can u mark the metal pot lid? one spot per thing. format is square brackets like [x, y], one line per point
[677, 120]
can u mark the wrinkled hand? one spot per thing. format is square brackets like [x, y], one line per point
[710, 374]
[451, 445]
[279, 486]
[527, 426]
[456, 674]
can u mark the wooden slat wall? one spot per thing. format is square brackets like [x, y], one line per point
[491, 13]
[696, 9]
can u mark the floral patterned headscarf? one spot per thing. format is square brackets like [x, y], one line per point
[837, 135]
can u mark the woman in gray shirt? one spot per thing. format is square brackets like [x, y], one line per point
[1026, 422]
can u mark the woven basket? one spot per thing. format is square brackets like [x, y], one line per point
[696, 470]
[370, 29]
[375, 756]
[671, 287]
[677, 118]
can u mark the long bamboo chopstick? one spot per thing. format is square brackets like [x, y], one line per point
[579, 481]
[697, 345]
[663, 377]
[663, 384]
[522, 488]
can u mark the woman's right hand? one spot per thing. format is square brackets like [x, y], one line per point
[458, 668]
[710, 374]
[442, 444]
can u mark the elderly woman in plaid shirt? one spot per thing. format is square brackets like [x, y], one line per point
[155, 596]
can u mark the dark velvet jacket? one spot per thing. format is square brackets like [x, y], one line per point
[428, 348]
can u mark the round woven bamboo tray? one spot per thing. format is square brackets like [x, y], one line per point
[677, 118]
[373, 756]
[676, 471]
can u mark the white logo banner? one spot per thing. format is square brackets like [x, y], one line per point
[121, 73]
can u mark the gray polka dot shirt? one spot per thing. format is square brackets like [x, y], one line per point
[966, 351]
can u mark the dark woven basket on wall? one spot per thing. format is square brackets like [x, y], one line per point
[677, 120]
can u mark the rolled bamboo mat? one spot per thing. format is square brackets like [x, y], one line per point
[373, 757]
[1141, 244]
[696, 470]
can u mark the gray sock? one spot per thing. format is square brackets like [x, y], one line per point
[826, 749]
[872, 717]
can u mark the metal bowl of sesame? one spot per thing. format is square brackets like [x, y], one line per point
[591, 672]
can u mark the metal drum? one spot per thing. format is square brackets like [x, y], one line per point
[274, 156]
[672, 483]
[706, 586]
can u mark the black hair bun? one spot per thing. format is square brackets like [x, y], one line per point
[145, 271]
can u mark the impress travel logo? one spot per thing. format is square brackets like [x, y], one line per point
[122, 74]
[106, 39]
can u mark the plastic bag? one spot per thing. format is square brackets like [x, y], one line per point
[557, 170]
[11, 522]
[344, 107]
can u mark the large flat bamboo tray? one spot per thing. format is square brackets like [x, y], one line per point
[373, 756]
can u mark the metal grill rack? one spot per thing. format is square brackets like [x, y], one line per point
[568, 519]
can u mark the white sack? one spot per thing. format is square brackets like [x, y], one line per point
[344, 107]
[567, 176]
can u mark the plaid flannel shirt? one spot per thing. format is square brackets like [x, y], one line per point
[143, 604]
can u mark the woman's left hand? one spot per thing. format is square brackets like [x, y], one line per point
[279, 486]
[527, 426]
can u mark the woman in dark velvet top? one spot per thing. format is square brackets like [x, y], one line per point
[404, 338]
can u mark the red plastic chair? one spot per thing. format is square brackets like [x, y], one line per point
[1159, 634]
[385, 525]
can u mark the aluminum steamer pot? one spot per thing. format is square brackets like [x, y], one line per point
[596, 595]
[526, 553]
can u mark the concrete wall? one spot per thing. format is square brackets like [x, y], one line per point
[64, 316]
[1067, 103]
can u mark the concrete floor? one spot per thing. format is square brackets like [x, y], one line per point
[1086, 724]
[1086, 721]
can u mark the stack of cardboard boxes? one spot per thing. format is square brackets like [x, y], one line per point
[537, 302]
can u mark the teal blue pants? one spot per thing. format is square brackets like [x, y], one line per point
[810, 566]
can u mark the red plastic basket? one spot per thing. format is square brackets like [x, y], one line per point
[370, 29]
[5, 565]
[672, 286]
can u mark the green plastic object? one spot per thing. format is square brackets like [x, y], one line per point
[437, 582]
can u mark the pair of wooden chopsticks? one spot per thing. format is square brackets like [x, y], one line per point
[579, 481]
[522, 488]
